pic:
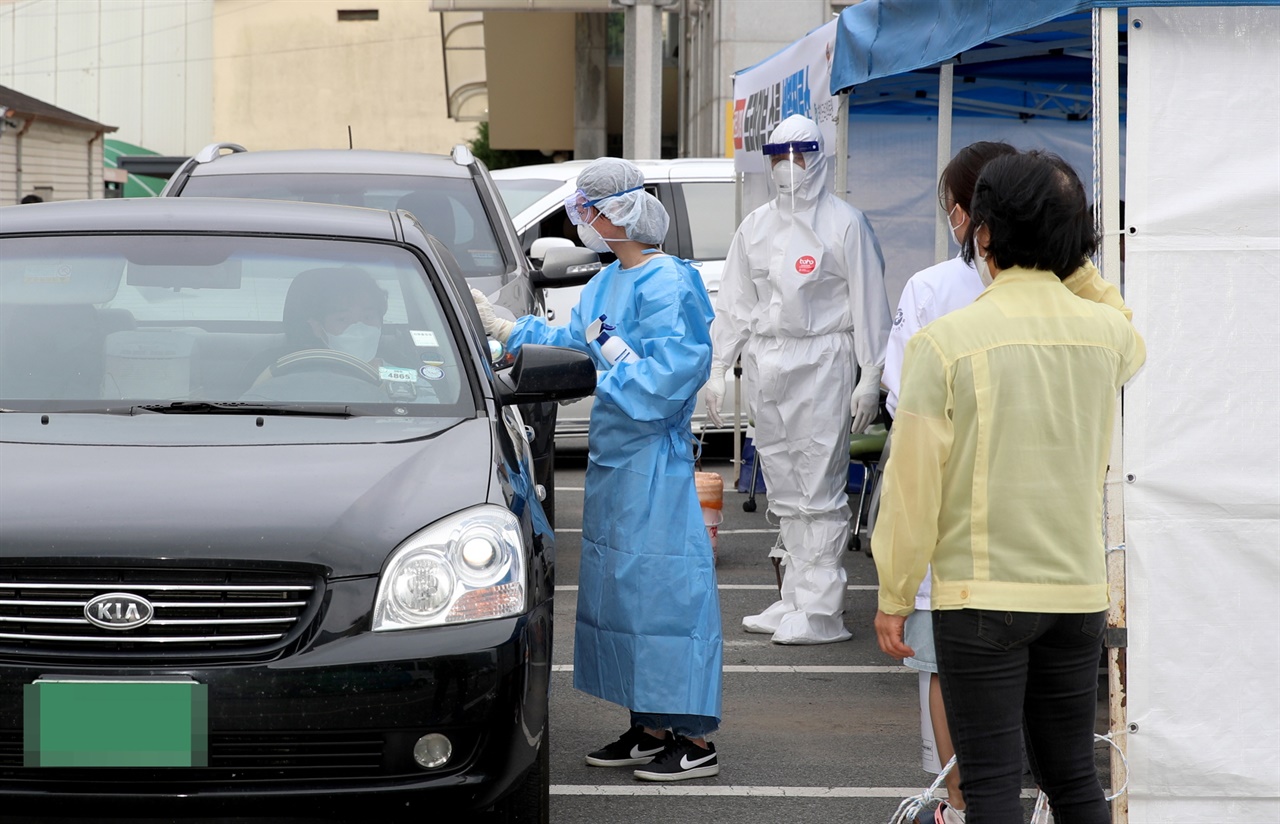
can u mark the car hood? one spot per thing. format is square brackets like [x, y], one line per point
[340, 506]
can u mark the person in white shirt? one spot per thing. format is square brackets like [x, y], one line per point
[930, 294]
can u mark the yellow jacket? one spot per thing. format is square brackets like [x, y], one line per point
[1000, 445]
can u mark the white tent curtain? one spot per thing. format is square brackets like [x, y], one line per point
[1201, 421]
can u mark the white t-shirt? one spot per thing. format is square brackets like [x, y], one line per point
[930, 294]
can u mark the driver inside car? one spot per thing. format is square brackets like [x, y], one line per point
[333, 323]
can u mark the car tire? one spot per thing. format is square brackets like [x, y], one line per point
[530, 803]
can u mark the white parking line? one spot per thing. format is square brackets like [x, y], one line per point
[786, 669]
[774, 587]
[744, 791]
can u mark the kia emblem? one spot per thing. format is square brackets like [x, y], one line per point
[118, 610]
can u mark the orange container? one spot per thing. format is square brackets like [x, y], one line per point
[711, 498]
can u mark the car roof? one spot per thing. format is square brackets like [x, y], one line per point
[684, 168]
[197, 214]
[332, 161]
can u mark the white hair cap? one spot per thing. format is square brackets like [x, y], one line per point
[638, 213]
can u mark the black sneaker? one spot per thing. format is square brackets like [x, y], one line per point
[634, 747]
[680, 760]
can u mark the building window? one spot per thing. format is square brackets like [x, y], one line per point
[357, 14]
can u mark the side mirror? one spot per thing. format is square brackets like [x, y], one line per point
[566, 266]
[546, 373]
[542, 245]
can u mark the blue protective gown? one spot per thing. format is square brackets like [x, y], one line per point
[648, 630]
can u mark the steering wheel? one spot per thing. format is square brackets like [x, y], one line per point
[330, 359]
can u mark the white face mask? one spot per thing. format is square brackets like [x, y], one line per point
[591, 238]
[787, 176]
[956, 228]
[359, 340]
[984, 271]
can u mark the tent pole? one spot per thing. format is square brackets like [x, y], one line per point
[842, 145]
[738, 180]
[946, 82]
[1107, 62]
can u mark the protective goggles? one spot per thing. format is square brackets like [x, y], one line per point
[576, 204]
[791, 148]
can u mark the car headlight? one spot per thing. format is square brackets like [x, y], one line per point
[466, 567]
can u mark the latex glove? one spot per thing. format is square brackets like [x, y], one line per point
[495, 327]
[714, 394]
[865, 403]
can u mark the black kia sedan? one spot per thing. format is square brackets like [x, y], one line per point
[270, 542]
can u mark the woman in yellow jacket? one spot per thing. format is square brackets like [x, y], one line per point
[1001, 439]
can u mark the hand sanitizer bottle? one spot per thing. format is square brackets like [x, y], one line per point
[614, 350]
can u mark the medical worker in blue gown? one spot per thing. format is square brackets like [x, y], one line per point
[648, 629]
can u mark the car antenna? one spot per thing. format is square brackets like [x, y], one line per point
[350, 144]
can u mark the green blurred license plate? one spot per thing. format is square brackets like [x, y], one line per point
[115, 722]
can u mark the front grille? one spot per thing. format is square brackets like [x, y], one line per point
[197, 613]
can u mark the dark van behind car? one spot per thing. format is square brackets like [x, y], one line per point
[250, 559]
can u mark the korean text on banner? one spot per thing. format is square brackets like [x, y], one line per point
[796, 80]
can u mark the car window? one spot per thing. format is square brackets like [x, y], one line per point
[519, 195]
[710, 208]
[163, 318]
[449, 208]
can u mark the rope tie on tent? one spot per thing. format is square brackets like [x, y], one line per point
[912, 806]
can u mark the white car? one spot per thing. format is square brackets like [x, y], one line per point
[699, 195]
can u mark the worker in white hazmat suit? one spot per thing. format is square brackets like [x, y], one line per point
[802, 300]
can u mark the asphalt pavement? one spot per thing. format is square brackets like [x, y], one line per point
[827, 733]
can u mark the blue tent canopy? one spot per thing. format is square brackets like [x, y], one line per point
[991, 42]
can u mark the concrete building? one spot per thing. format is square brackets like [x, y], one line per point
[144, 65]
[296, 74]
[556, 71]
[269, 74]
[48, 151]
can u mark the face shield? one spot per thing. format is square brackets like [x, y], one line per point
[788, 163]
[577, 204]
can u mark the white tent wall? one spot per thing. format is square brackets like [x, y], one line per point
[1201, 441]
[900, 197]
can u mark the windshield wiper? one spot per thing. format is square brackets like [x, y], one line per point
[313, 410]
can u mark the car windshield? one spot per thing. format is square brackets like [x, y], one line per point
[224, 324]
[520, 194]
[447, 207]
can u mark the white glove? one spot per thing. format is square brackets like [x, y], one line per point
[495, 327]
[865, 403]
[714, 394]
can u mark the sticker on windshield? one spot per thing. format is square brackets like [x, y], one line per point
[484, 258]
[423, 337]
[431, 373]
[47, 271]
[395, 373]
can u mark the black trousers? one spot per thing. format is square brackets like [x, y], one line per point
[1007, 676]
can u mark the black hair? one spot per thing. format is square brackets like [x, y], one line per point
[961, 174]
[1034, 206]
[32, 199]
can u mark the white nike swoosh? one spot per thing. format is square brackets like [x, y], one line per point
[636, 752]
[686, 764]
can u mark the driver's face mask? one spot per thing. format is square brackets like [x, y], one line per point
[359, 340]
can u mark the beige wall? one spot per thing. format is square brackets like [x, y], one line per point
[52, 155]
[529, 69]
[289, 75]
